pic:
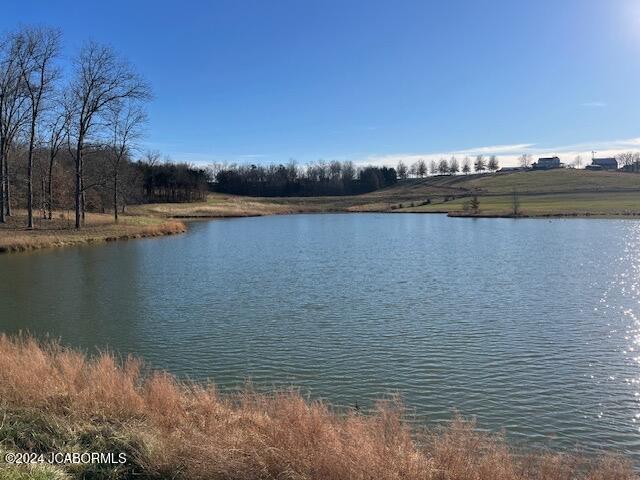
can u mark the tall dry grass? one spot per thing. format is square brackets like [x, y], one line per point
[54, 398]
[60, 231]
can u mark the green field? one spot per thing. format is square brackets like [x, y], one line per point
[544, 193]
[577, 204]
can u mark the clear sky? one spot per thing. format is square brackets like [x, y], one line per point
[374, 81]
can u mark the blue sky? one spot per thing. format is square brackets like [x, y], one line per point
[370, 81]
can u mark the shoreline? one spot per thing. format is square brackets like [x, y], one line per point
[17, 240]
[542, 216]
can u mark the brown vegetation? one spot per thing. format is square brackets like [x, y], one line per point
[57, 399]
[60, 231]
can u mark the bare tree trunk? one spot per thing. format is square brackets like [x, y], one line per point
[2, 216]
[43, 198]
[84, 206]
[7, 186]
[32, 135]
[50, 188]
[115, 196]
[78, 183]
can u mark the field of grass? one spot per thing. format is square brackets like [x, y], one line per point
[220, 205]
[216, 206]
[571, 204]
[57, 399]
[544, 193]
[60, 231]
[549, 181]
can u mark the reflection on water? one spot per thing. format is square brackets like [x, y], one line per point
[619, 301]
[530, 325]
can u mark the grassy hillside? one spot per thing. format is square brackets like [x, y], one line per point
[562, 180]
[550, 181]
[572, 204]
[555, 192]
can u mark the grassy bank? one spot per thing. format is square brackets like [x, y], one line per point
[56, 399]
[225, 206]
[60, 231]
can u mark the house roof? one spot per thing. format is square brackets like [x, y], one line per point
[600, 161]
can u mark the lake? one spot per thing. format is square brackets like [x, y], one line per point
[527, 325]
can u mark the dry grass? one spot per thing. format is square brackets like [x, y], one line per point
[220, 205]
[53, 398]
[60, 231]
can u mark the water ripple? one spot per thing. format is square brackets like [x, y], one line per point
[532, 326]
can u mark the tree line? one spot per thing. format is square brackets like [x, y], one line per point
[320, 178]
[453, 166]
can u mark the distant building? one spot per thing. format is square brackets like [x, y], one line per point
[603, 164]
[547, 163]
[634, 167]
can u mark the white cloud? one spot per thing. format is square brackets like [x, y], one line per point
[594, 104]
[508, 154]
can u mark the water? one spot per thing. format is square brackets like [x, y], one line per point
[528, 325]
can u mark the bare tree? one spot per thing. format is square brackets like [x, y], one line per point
[443, 168]
[12, 113]
[152, 158]
[454, 166]
[515, 203]
[102, 80]
[480, 164]
[421, 168]
[629, 159]
[577, 162]
[131, 185]
[525, 160]
[466, 165]
[475, 204]
[125, 125]
[402, 170]
[348, 174]
[433, 167]
[41, 167]
[37, 49]
[57, 134]
[214, 167]
[493, 164]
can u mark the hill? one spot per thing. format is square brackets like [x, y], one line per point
[563, 192]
